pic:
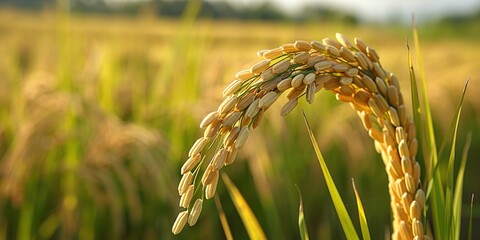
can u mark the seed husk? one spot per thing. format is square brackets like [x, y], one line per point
[289, 48]
[180, 222]
[190, 163]
[244, 75]
[378, 70]
[231, 118]
[209, 119]
[273, 53]
[213, 128]
[242, 137]
[310, 94]
[318, 46]
[267, 74]
[301, 57]
[208, 174]
[343, 40]
[227, 104]
[347, 55]
[245, 101]
[231, 136]
[234, 86]
[369, 84]
[415, 212]
[281, 66]
[351, 72]
[410, 183]
[186, 197]
[309, 78]
[232, 153]
[185, 182]
[198, 146]
[297, 80]
[258, 118]
[344, 81]
[195, 212]
[372, 54]
[315, 59]
[268, 99]
[284, 84]
[302, 45]
[382, 87]
[333, 51]
[323, 65]
[219, 159]
[211, 188]
[260, 66]
[331, 42]
[360, 45]
[289, 106]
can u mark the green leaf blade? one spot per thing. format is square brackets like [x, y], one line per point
[342, 213]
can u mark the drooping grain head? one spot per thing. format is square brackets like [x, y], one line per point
[352, 72]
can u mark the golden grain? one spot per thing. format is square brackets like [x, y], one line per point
[267, 74]
[360, 45]
[331, 42]
[289, 106]
[260, 66]
[343, 40]
[213, 128]
[190, 163]
[318, 46]
[185, 182]
[369, 84]
[393, 116]
[197, 146]
[268, 99]
[211, 188]
[297, 80]
[231, 118]
[382, 86]
[219, 159]
[351, 72]
[333, 51]
[244, 75]
[227, 104]
[347, 55]
[242, 137]
[310, 94]
[417, 229]
[232, 153]
[289, 48]
[284, 84]
[270, 85]
[347, 90]
[281, 66]
[231, 136]
[372, 54]
[381, 103]
[195, 212]
[345, 81]
[273, 53]
[410, 183]
[339, 67]
[301, 57]
[186, 197]
[403, 149]
[374, 107]
[314, 60]
[415, 212]
[245, 101]
[323, 65]
[258, 118]
[302, 45]
[378, 70]
[253, 109]
[309, 78]
[234, 86]
[420, 198]
[332, 83]
[180, 222]
[208, 175]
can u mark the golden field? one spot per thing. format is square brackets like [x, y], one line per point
[97, 115]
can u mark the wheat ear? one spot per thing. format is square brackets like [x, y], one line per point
[354, 74]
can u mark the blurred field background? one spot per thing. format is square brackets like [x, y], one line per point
[98, 112]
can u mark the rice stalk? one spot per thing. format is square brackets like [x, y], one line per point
[351, 71]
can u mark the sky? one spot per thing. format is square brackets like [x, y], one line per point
[381, 10]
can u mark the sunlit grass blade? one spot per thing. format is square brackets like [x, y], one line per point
[252, 226]
[457, 197]
[361, 214]
[453, 208]
[422, 116]
[223, 219]
[342, 213]
[302, 226]
[471, 217]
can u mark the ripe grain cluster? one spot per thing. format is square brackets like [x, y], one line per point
[353, 72]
